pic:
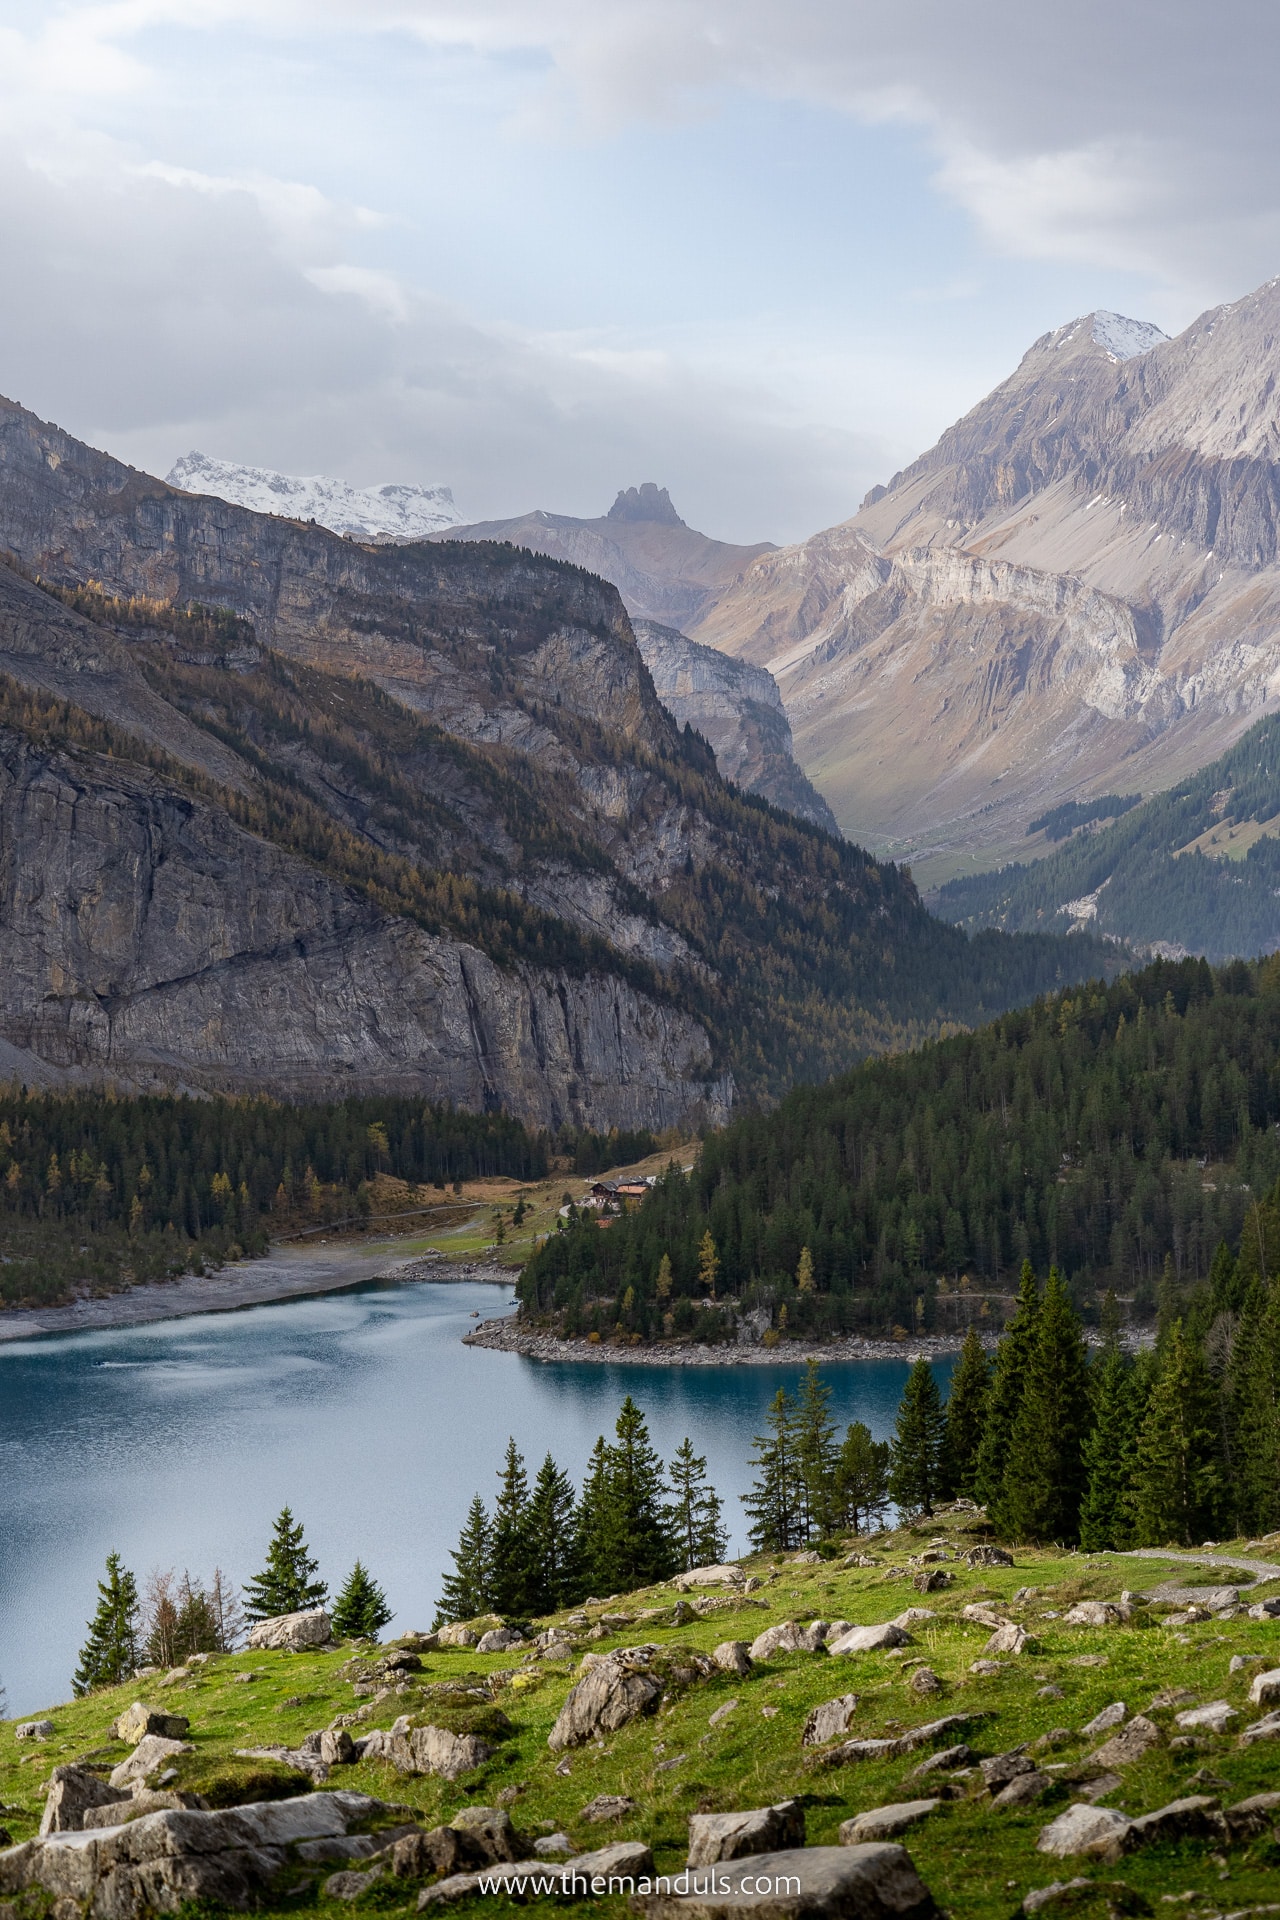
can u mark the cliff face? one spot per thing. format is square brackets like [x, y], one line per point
[148, 939]
[1109, 617]
[739, 713]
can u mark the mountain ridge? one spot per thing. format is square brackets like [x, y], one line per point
[395, 510]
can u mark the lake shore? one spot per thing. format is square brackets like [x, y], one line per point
[286, 1273]
[507, 1336]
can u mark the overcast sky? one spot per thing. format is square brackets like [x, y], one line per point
[759, 251]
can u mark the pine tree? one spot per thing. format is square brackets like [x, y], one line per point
[862, 1478]
[915, 1452]
[553, 1531]
[361, 1611]
[1108, 1452]
[1175, 1489]
[695, 1513]
[1007, 1382]
[110, 1654]
[775, 1500]
[1044, 1477]
[966, 1413]
[287, 1583]
[816, 1454]
[1253, 1409]
[593, 1523]
[465, 1592]
[511, 1555]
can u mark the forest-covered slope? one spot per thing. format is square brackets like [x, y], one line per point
[1098, 1130]
[1196, 868]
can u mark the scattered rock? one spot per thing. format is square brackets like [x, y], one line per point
[1091, 1660]
[499, 1640]
[1267, 1728]
[1082, 1829]
[730, 1836]
[72, 1792]
[439, 1751]
[1004, 1767]
[786, 1637]
[866, 1882]
[1050, 1693]
[1215, 1718]
[552, 1844]
[488, 1829]
[722, 1713]
[947, 1761]
[149, 1752]
[1137, 1738]
[983, 1616]
[138, 1721]
[350, 1883]
[1096, 1613]
[34, 1730]
[931, 1579]
[733, 1656]
[456, 1635]
[1250, 1818]
[987, 1556]
[1265, 1690]
[885, 1823]
[829, 1721]
[909, 1617]
[870, 1639]
[1099, 1788]
[1025, 1791]
[1172, 1697]
[626, 1861]
[614, 1691]
[986, 1668]
[1051, 1741]
[924, 1681]
[893, 1748]
[1265, 1609]
[1009, 1638]
[859, 1560]
[721, 1576]
[336, 1749]
[1239, 1661]
[1112, 1716]
[293, 1632]
[607, 1806]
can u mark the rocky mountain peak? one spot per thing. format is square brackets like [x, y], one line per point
[646, 502]
[396, 511]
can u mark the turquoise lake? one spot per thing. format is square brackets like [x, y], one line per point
[178, 1443]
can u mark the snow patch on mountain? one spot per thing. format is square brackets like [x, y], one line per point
[1124, 338]
[392, 512]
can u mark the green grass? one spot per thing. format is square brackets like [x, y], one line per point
[977, 1861]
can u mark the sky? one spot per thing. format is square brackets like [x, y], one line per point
[759, 251]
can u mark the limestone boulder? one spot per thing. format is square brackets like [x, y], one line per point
[1024, 1791]
[1097, 1613]
[165, 1860]
[1197, 1817]
[986, 1556]
[983, 1616]
[1214, 1718]
[1008, 1638]
[439, 1751]
[607, 1806]
[733, 1656]
[1113, 1716]
[456, 1635]
[787, 1637]
[875, 1639]
[147, 1755]
[613, 1692]
[1268, 1728]
[885, 1823]
[866, 1882]
[893, 1747]
[731, 1836]
[34, 1730]
[830, 1721]
[1265, 1689]
[293, 1632]
[336, 1747]
[138, 1721]
[499, 1640]
[71, 1793]
[489, 1831]
[721, 1576]
[1132, 1741]
[1265, 1609]
[1082, 1830]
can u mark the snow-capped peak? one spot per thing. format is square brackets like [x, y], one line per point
[1122, 338]
[392, 512]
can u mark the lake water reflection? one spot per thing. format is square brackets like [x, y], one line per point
[178, 1443]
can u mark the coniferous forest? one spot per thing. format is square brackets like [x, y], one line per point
[1109, 1131]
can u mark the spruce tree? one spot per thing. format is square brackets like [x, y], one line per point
[593, 1523]
[553, 1531]
[915, 1452]
[816, 1454]
[642, 1549]
[1108, 1452]
[966, 1414]
[512, 1577]
[1175, 1492]
[696, 1529]
[287, 1583]
[862, 1478]
[361, 1611]
[110, 1654]
[1253, 1413]
[465, 1591]
[1007, 1382]
[1044, 1476]
[775, 1502]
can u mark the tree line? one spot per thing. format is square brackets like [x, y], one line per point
[1098, 1131]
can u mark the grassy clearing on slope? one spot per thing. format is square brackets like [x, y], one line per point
[977, 1860]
